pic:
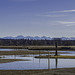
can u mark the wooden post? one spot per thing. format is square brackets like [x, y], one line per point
[39, 52]
[56, 48]
[48, 63]
[48, 60]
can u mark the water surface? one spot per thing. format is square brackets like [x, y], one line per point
[36, 63]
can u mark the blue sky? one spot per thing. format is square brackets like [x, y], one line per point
[53, 18]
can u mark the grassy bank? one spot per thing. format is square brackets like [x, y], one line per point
[59, 56]
[26, 52]
[13, 47]
[51, 47]
[11, 60]
[20, 52]
[39, 47]
[64, 71]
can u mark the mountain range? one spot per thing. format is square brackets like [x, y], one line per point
[36, 38]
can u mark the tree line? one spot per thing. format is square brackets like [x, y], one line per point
[27, 42]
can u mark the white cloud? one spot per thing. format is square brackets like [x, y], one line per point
[63, 11]
[22, 0]
[66, 23]
[63, 22]
[53, 15]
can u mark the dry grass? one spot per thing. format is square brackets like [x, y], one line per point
[49, 47]
[27, 52]
[21, 52]
[36, 47]
[14, 47]
[59, 56]
[66, 71]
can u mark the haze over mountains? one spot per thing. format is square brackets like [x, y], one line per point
[36, 38]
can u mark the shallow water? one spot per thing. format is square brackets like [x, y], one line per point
[13, 49]
[6, 49]
[36, 63]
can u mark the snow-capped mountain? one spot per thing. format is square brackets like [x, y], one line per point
[64, 38]
[19, 37]
[8, 37]
[36, 38]
[47, 38]
[72, 38]
[28, 37]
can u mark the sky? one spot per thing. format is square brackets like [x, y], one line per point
[52, 18]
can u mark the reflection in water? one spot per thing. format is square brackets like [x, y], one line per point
[48, 63]
[3, 56]
[33, 57]
[36, 63]
[48, 60]
[39, 62]
[56, 62]
[14, 56]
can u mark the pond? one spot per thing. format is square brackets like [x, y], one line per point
[36, 63]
